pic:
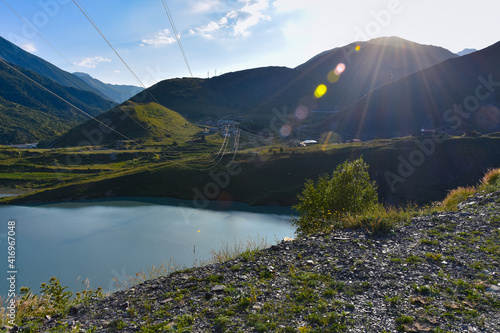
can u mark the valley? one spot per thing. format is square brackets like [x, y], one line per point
[249, 135]
[251, 165]
[410, 169]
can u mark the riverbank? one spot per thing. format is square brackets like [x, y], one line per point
[436, 273]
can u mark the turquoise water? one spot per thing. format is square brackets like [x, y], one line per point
[106, 241]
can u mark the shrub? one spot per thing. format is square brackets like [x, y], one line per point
[490, 177]
[456, 196]
[324, 203]
[53, 299]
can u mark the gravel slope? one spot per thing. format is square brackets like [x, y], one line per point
[439, 273]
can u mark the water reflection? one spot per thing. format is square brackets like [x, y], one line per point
[105, 239]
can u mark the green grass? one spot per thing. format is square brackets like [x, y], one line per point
[456, 196]
[145, 123]
[266, 177]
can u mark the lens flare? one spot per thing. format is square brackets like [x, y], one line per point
[339, 69]
[285, 130]
[327, 141]
[358, 47]
[301, 112]
[333, 77]
[320, 91]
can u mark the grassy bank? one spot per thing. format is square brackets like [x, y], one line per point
[270, 175]
[433, 276]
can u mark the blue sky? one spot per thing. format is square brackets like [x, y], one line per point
[231, 35]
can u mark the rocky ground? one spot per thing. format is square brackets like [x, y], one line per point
[438, 273]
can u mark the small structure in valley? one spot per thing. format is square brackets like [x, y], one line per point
[309, 142]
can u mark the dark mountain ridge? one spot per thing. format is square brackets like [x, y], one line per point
[31, 113]
[376, 62]
[17, 56]
[250, 92]
[457, 95]
[254, 93]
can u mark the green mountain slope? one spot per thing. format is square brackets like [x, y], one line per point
[20, 124]
[255, 92]
[17, 56]
[136, 121]
[35, 113]
[272, 178]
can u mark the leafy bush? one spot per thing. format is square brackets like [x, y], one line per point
[324, 203]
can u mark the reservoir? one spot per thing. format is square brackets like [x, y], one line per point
[109, 241]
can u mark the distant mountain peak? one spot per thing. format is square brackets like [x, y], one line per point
[389, 40]
[115, 92]
[466, 51]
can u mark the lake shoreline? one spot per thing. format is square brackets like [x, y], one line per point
[217, 205]
[438, 273]
[108, 239]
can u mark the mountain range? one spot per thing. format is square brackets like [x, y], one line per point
[254, 93]
[384, 87]
[466, 51]
[134, 120]
[458, 95]
[17, 56]
[116, 92]
[30, 113]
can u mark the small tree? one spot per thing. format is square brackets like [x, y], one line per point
[324, 203]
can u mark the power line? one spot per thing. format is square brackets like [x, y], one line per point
[179, 43]
[71, 64]
[225, 143]
[174, 29]
[236, 145]
[36, 31]
[80, 6]
[77, 108]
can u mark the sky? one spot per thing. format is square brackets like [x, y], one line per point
[220, 36]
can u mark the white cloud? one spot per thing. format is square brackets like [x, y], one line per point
[290, 5]
[237, 22]
[205, 6]
[223, 21]
[91, 62]
[208, 30]
[162, 37]
[250, 15]
[28, 47]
